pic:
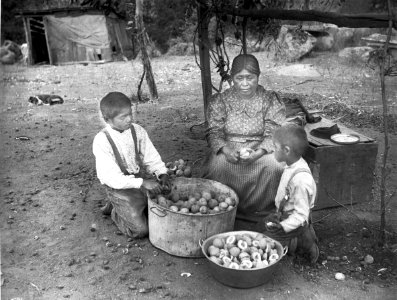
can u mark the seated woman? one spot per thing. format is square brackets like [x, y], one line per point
[244, 116]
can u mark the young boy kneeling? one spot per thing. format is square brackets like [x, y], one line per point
[296, 194]
[122, 149]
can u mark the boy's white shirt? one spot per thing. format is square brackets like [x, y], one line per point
[109, 172]
[302, 195]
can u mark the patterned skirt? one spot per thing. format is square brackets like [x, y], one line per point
[255, 184]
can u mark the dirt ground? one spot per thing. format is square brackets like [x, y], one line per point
[50, 196]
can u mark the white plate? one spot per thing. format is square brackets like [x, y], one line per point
[345, 139]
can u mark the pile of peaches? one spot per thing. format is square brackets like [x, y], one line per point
[205, 202]
[178, 168]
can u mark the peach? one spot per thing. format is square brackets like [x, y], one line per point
[212, 203]
[234, 251]
[202, 202]
[195, 208]
[203, 210]
[217, 242]
[206, 195]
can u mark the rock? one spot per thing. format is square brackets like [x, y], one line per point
[365, 232]
[324, 42]
[368, 259]
[355, 53]
[294, 42]
[71, 262]
[7, 57]
[298, 70]
[340, 276]
[93, 227]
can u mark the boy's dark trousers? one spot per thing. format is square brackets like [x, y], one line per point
[129, 211]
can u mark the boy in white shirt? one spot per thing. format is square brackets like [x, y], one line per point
[296, 194]
[123, 152]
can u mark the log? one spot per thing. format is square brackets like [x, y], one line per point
[369, 20]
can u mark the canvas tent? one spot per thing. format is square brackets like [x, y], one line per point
[60, 36]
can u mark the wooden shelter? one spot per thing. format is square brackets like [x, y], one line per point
[70, 35]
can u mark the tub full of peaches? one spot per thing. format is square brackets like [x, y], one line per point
[244, 251]
[199, 202]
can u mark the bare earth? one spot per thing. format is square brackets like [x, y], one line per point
[50, 195]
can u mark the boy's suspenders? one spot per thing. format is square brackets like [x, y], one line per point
[286, 198]
[117, 153]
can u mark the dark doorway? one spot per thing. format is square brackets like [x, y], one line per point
[39, 41]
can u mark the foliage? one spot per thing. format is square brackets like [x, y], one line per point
[167, 19]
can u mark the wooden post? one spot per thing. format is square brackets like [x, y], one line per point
[45, 22]
[204, 53]
[26, 24]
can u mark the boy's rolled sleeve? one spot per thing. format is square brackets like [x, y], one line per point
[151, 158]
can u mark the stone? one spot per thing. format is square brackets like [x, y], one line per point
[294, 42]
[355, 53]
[340, 276]
[298, 70]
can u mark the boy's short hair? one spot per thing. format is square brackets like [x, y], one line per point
[112, 104]
[293, 136]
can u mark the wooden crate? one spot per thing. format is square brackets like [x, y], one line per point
[344, 173]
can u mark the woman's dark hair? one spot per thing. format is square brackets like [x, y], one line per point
[245, 62]
[112, 104]
[293, 136]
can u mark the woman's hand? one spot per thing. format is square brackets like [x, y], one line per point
[253, 156]
[231, 154]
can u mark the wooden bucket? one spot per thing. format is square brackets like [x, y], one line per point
[180, 234]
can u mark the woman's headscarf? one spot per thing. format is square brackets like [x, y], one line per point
[245, 62]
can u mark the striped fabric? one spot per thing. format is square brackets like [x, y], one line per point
[255, 184]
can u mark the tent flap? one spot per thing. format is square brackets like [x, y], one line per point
[86, 30]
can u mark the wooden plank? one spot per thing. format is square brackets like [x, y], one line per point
[319, 142]
[45, 21]
[26, 24]
[36, 22]
[36, 29]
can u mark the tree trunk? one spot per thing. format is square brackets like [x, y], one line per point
[383, 187]
[145, 57]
